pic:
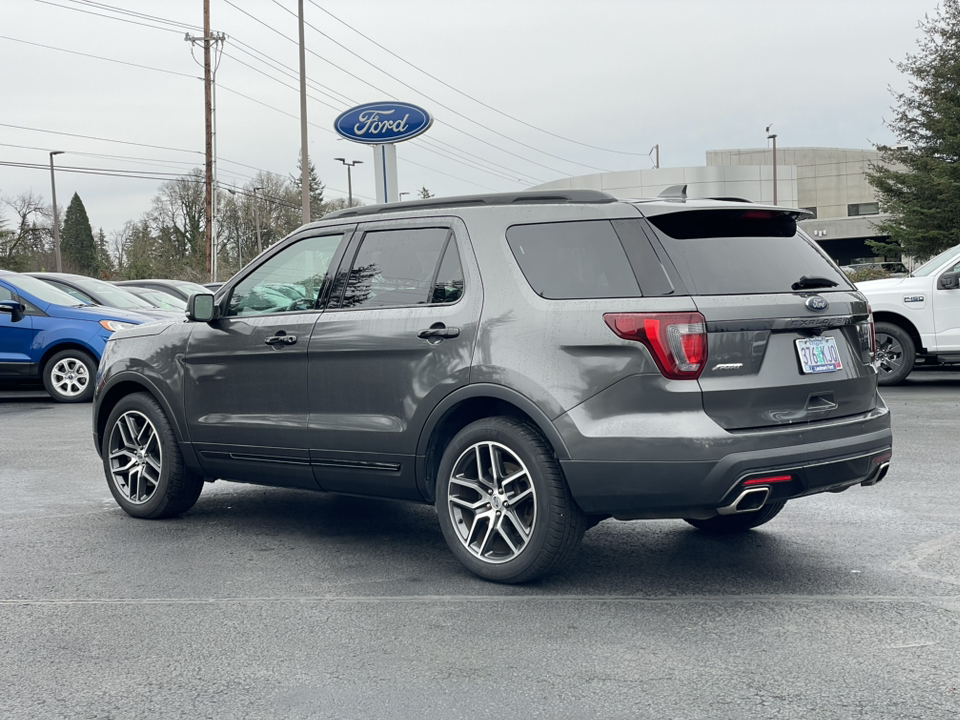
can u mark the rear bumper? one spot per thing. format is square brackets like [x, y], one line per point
[699, 488]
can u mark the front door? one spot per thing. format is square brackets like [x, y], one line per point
[245, 383]
[946, 315]
[15, 340]
[397, 336]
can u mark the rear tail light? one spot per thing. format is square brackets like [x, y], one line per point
[868, 337]
[677, 341]
[873, 334]
[768, 480]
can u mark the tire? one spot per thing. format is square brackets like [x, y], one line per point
[741, 522]
[896, 353]
[142, 461]
[68, 376]
[509, 532]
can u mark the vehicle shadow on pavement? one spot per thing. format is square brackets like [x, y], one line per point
[24, 395]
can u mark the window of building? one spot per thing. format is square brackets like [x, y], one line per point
[857, 209]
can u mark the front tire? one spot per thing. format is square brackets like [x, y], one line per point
[896, 353]
[68, 376]
[504, 507]
[142, 461]
[741, 522]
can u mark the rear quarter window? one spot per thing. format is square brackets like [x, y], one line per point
[573, 260]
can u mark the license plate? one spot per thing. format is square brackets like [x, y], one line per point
[818, 355]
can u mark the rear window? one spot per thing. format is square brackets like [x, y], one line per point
[573, 260]
[737, 252]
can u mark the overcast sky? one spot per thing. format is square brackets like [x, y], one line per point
[622, 75]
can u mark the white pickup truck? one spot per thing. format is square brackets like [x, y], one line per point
[917, 317]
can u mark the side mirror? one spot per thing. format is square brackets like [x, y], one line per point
[16, 309]
[201, 307]
[949, 281]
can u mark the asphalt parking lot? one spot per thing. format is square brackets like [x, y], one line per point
[268, 603]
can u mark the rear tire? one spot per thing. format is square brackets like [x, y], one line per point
[896, 353]
[503, 505]
[68, 376]
[741, 522]
[142, 461]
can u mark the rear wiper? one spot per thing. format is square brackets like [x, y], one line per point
[812, 281]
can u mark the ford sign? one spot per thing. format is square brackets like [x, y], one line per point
[817, 303]
[382, 122]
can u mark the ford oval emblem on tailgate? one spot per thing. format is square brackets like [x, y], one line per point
[817, 303]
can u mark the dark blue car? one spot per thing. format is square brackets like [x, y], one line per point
[45, 333]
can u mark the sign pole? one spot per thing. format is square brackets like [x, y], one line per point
[385, 172]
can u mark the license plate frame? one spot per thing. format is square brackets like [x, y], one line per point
[818, 355]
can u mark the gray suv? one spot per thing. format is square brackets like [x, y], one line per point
[529, 363]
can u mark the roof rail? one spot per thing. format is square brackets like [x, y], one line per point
[533, 197]
[677, 192]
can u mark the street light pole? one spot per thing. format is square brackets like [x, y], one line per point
[56, 213]
[773, 136]
[349, 178]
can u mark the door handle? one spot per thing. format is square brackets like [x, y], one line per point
[439, 330]
[281, 339]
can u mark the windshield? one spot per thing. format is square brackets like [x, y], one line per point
[161, 299]
[931, 265]
[111, 294]
[42, 291]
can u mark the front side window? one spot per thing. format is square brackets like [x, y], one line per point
[289, 281]
[399, 268]
[81, 296]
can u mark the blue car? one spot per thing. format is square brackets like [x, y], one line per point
[45, 333]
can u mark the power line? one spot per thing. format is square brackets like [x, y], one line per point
[93, 137]
[434, 100]
[133, 13]
[99, 57]
[109, 17]
[466, 95]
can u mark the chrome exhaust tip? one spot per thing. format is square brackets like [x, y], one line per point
[877, 475]
[749, 500]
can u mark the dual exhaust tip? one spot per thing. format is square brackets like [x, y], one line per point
[752, 499]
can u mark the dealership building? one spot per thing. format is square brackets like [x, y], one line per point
[829, 182]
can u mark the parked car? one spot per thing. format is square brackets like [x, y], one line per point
[47, 334]
[530, 363]
[158, 298]
[918, 317]
[892, 269]
[92, 291]
[178, 288]
[213, 286]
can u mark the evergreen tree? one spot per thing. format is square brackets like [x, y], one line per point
[78, 249]
[424, 193]
[918, 180]
[105, 266]
[316, 187]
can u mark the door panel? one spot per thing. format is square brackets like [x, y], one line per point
[15, 340]
[946, 316]
[245, 385]
[376, 371]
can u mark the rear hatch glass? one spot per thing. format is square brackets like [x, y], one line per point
[788, 336]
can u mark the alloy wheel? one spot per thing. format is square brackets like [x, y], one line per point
[70, 377]
[492, 502]
[135, 457]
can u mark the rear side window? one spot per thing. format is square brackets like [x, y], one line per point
[397, 268]
[573, 260]
[742, 252]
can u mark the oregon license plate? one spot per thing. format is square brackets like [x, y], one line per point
[818, 355]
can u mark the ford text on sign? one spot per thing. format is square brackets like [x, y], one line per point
[383, 122]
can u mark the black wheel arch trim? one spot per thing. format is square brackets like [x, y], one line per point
[142, 378]
[493, 392]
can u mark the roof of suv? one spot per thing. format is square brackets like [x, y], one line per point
[651, 206]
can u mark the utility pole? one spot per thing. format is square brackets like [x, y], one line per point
[773, 137]
[304, 155]
[209, 71]
[56, 213]
[256, 215]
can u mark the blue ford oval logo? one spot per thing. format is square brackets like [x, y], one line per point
[817, 303]
[382, 122]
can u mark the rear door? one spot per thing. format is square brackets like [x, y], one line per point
[781, 349]
[397, 336]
